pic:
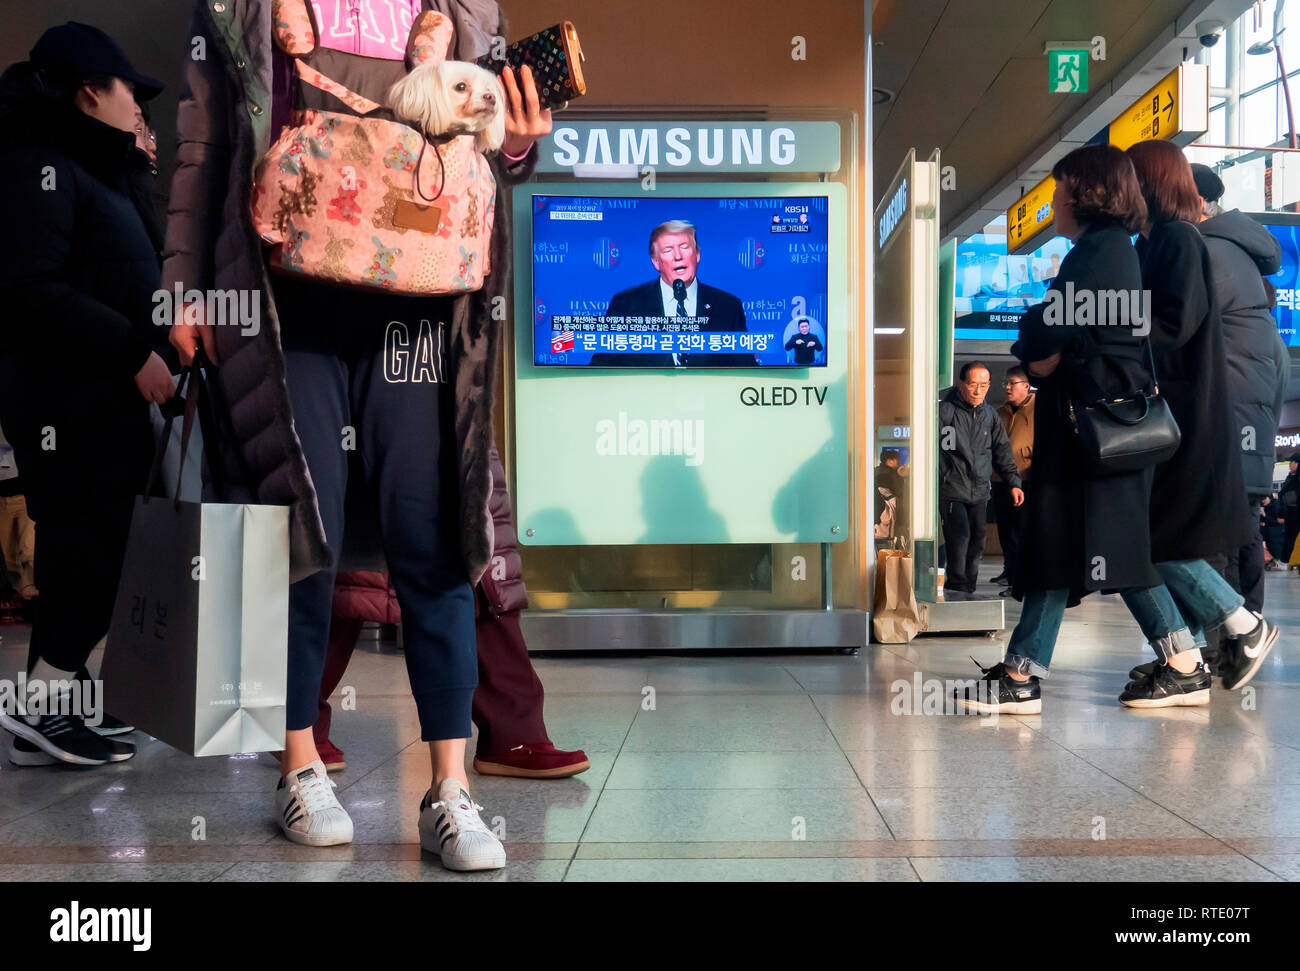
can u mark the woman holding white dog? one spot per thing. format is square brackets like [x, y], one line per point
[371, 375]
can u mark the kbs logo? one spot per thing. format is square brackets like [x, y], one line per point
[605, 255]
[562, 342]
[753, 254]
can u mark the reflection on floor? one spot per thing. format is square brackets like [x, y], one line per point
[744, 768]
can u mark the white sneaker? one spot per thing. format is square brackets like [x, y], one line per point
[453, 829]
[308, 811]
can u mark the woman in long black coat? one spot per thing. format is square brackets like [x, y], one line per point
[1198, 496]
[1083, 534]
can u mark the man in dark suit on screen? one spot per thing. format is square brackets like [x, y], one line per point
[676, 292]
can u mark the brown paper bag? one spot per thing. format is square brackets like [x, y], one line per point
[895, 618]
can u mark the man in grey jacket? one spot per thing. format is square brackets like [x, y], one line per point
[971, 440]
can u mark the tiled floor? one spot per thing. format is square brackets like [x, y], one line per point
[747, 768]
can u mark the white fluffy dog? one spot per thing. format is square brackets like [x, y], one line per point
[453, 97]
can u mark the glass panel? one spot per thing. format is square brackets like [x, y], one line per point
[1259, 124]
[906, 361]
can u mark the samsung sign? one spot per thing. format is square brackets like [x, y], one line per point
[893, 213]
[696, 146]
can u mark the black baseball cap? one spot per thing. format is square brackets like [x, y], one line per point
[75, 48]
[1208, 184]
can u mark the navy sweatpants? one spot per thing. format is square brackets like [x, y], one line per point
[367, 372]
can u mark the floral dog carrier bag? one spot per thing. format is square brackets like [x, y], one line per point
[350, 196]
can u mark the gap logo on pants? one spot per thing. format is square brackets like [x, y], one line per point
[417, 359]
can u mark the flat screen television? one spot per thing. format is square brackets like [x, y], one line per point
[728, 282]
[993, 290]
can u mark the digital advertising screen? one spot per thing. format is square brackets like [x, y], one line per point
[1286, 280]
[656, 281]
[993, 290]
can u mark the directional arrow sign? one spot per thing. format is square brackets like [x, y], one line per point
[1029, 217]
[1176, 107]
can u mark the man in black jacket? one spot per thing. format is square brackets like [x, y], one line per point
[971, 440]
[78, 366]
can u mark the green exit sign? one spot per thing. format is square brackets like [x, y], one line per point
[1067, 72]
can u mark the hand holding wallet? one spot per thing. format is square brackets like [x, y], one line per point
[555, 57]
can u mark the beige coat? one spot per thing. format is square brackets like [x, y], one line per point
[1020, 429]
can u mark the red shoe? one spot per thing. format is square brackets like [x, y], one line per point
[540, 761]
[331, 755]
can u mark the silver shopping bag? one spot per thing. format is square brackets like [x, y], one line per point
[198, 645]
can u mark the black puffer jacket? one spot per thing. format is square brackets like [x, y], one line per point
[78, 273]
[1258, 364]
[971, 442]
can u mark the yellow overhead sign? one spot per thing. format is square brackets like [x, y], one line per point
[1031, 214]
[1176, 109]
[1178, 105]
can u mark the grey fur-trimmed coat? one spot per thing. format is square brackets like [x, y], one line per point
[223, 127]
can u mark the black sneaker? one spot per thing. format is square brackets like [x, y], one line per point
[23, 752]
[66, 738]
[997, 693]
[1245, 654]
[108, 726]
[1144, 671]
[1167, 688]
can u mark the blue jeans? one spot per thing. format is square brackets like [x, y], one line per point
[1034, 639]
[1156, 611]
[1204, 597]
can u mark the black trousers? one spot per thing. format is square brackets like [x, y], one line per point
[1243, 568]
[1011, 525]
[78, 566]
[963, 534]
[84, 452]
[1246, 566]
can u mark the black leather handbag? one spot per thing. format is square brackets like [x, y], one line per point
[1125, 434]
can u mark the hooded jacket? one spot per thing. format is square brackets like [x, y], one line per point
[1242, 252]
